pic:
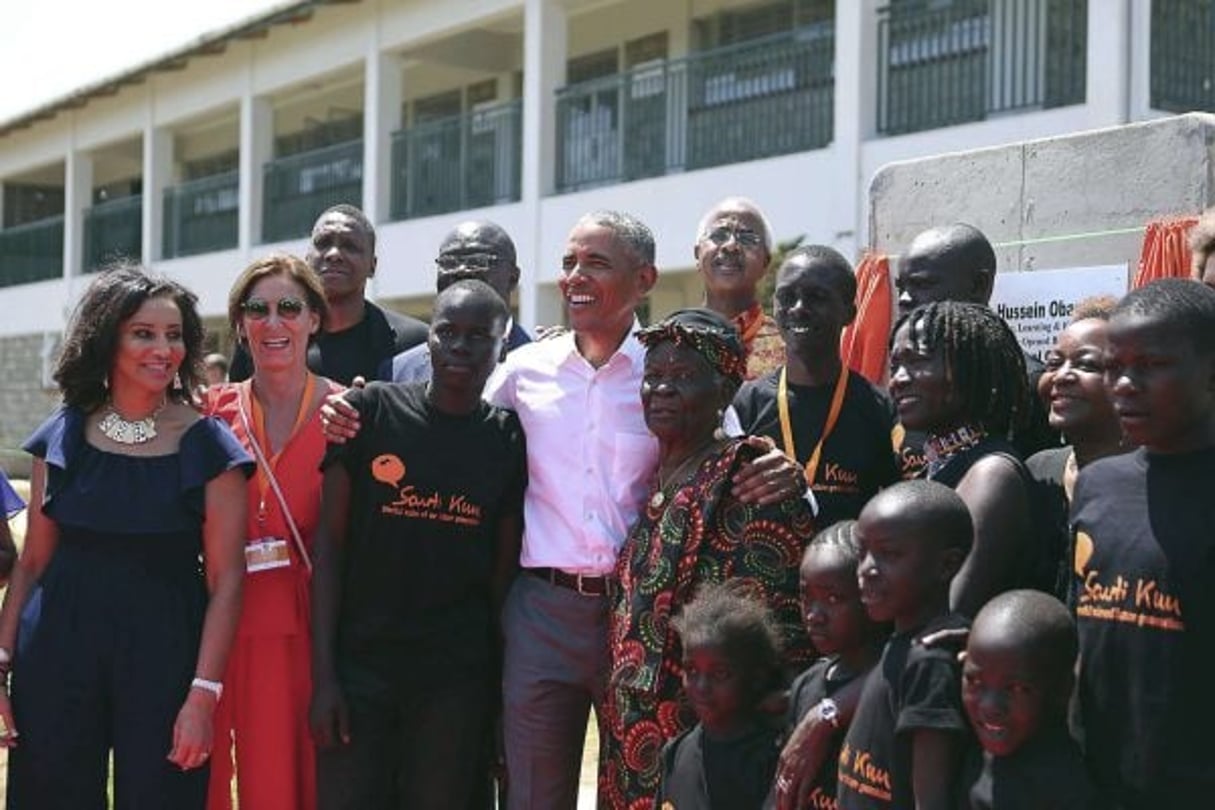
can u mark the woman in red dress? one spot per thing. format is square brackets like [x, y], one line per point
[276, 306]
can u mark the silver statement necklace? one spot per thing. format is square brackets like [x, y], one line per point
[125, 431]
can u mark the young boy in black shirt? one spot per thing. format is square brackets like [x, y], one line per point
[842, 632]
[420, 537]
[906, 741]
[1143, 528]
[1016, 682]
[832, 420]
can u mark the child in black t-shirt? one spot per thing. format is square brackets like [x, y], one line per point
[842, 632]
[1016, 682]
[906, 741]
[1143, 525]
[731, 659]
[422, 519]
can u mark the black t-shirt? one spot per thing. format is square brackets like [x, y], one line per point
[702, 773]
[357, 351]
[427, 492]
[809, 688]
[1046, 773]
[1051, 508]
[1144, 535]
[857, 458]
[913, 688]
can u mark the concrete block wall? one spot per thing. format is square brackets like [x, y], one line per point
[1053, 202]
[24, 403]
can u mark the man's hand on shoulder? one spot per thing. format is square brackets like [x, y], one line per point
[340, 419]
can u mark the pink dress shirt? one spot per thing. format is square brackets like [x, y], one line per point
[590, 457]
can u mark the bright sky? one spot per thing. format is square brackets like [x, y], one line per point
[52, 47]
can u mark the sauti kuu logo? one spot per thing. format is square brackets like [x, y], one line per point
[1141, 601]
[860, 773]
[411, 502]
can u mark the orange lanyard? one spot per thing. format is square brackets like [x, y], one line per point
[833, 415]
[259, 436]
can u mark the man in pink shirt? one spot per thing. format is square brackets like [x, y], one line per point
[590, 461]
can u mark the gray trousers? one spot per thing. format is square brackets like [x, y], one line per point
[556, 667]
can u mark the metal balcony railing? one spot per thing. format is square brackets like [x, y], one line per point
[32, 251]
[1183, 55]
[975, 58]
[761, 98]
[465, 161]
[297, 188]
[113, 230]
[201, 215]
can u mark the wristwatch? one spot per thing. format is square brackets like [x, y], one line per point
[829, 712]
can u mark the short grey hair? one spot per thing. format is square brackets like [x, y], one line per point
[731, 204]
[632, 232]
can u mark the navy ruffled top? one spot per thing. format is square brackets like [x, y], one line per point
[114, 493]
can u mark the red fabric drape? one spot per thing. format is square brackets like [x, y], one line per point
[1166, 251]
[864, 342]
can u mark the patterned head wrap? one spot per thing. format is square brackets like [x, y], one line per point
[706, 332]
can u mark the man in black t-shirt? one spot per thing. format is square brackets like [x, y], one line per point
[957, 263]
[797, 406]
[421, 537]
[359, 336]
[1144, 558]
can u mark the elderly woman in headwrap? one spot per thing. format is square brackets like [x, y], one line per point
[692, 531]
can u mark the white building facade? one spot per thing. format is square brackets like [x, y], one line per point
[530, 113]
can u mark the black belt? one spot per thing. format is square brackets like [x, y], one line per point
[585, 584]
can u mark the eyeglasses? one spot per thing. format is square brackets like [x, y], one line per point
[743, 236]
[258, 309]
[472, 261]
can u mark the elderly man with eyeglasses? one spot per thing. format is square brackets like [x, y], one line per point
[477, 249]
[733, 249]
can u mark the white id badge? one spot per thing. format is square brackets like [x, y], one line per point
[266, 553]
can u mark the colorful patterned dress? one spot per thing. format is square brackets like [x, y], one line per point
[761, 338]
[701, 534]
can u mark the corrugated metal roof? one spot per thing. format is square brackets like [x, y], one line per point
[210, 44]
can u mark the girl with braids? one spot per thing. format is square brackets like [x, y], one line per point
[958, 375]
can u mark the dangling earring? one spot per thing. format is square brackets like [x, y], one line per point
[719, 433]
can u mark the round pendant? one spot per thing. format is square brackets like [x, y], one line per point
[658, 499]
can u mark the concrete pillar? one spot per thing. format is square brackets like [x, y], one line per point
[1139, 52]
[855, 118]
[157, 176]
[77, 198]
[544, 54]
[256, 147]
[383, 93]
[1107, 88]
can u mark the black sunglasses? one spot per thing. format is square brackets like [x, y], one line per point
[288, 308]
[471, 261]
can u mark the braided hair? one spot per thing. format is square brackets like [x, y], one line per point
[841, 535]
[983, 359]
